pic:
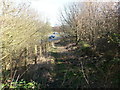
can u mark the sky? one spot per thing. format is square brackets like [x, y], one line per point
[50, 9]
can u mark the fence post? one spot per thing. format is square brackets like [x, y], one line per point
[36, 54]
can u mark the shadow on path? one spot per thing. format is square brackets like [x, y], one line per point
[66, 70]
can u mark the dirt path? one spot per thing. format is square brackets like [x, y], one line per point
[60, 52]
[61, 49]
[63, 63]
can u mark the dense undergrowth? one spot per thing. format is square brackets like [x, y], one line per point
[80, 68]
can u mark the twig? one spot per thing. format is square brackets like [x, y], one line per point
[14, 75]
[17, 79]
[84, 74]
[25, 71]
[5, 56]
[13, 78]
[64, 78]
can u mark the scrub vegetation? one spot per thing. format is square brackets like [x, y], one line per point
[87, 54]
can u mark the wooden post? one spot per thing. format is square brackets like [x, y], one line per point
[53, 44]
[47, 48]
[11, 66]
[40, 51]
[35, 54]
[26, 57]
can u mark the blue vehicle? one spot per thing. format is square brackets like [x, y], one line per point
[54, 36]
[55, 33]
